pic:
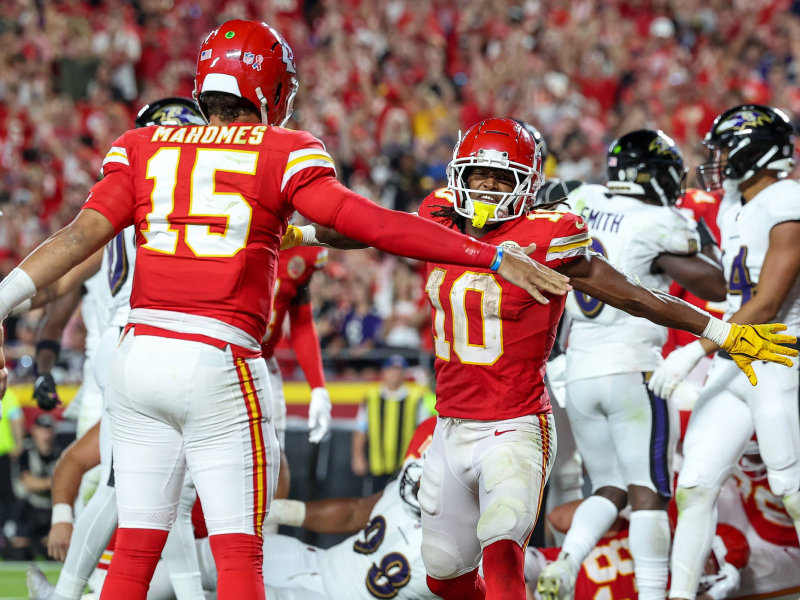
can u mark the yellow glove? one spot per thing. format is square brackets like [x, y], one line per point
[293, 237]
[746, 343]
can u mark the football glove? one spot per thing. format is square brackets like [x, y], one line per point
[293, 237]
[319, 415]
[45, 393]
[674, 369]
[746, 343]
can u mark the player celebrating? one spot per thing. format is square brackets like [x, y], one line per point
[494, 444]
[752, 150]
[622, 431]
[210, 205]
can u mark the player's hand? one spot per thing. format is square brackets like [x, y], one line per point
[674, 369]
[45, 393]
[58, 541]
[746, 343]
[293, 237]
[319, 415]
[521, 270]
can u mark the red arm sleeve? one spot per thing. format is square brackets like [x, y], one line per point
[326, 201]
[305, 343]
[113, 196]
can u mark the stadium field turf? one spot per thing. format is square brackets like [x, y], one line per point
[12, 578]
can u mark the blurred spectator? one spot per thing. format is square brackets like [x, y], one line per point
[409, 311]
[361, 328]
[385, 423]
[36, 465]
[12, 430]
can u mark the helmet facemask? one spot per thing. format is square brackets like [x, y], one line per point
[409, 479]
[508, 205]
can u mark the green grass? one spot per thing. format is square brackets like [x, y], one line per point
[12, 578]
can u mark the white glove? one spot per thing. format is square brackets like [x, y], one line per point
[557, 379]
[675, 368]
[728, 583]
[319, 415]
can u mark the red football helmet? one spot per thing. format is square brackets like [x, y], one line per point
[729, 547]
[751, 465]
[251, 60]
[498, 144]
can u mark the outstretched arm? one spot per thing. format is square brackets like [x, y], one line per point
[596, 277]
[698, 274]
[69, 282]
[60, 253]
[404, 234]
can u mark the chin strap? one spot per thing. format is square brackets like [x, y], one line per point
[264, 111]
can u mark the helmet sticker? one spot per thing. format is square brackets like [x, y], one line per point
[230, 34]
[744, 119]
[205, 55]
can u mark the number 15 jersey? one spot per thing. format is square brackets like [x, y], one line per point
[492, 339]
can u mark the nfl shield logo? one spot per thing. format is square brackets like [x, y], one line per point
[248, 59]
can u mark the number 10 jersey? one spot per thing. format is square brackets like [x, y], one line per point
[491, 338]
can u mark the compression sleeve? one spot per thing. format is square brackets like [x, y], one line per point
[324, 200]
[305, 343]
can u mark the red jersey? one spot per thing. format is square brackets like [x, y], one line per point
[491, 338]
[704, 206]
[765, 510]
[295, 268]
[607, 573]
[210, 205]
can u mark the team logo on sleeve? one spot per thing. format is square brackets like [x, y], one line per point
[296, 267]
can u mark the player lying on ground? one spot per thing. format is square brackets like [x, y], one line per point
[752, 151]
[210, 205]
[494, 446]
[607, 573]
[622, 430]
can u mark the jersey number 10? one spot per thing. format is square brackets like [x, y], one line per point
[204, 201]
[491, 294]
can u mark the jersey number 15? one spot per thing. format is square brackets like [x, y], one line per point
[204, 201]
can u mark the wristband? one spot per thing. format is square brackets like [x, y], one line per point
[62, 513]
[498, 258]
[51, 345]
[288, 512]
[309, 235]
[14, 290]
[21, 308]
[717, 331]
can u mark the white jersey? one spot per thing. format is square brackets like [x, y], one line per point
[745, 231]
[384, 561]
[121, 259]
[94, 309]
[630, 234]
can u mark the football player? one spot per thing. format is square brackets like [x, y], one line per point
[607, 573]
[623, 431]
[752, 151]
[81, 547]
[291, 297]
[210, 205]
[494, 445]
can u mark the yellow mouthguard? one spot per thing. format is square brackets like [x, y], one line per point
[482, 212]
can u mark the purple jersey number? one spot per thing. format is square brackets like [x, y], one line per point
[589, 306]
[740, 284]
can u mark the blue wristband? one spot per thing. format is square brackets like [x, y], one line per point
[498, 258]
